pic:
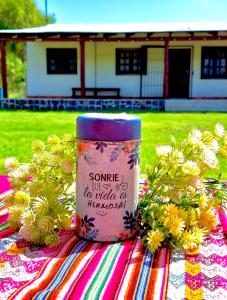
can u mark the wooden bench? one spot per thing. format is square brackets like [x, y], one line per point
[97, 92]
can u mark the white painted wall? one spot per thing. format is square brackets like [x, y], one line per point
[39, 83]
[106, 69]
[100, 70]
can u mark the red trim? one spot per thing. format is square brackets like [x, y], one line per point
[4, 70]
[166, 70]
[82, 68]
[115, 39]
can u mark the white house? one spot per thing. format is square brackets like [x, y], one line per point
[130, 61]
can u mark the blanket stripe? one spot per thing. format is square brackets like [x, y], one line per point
[5, 229]
[77, 268]
[100, 271]
[47, 272]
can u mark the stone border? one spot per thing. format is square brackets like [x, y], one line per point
[82, 105]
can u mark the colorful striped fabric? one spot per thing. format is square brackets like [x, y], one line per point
[79, 269]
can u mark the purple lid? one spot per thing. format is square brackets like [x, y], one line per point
[108, 127]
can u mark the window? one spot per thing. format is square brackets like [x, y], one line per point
[61, 61]
[214, 62]
[131, 61]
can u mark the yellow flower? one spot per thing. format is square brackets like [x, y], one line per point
[203, 201]
[40, 205]
[189, 241]
[46, 224]
[34, 187]
[53, 139]
[177, 156]
[21, 198]
[154, 239]
[190, 168]
[28, 217]
[208, 219]
[175, 225]
[69, 138]
[192, 219]
[183, 214]
[51, 239]
[171, 209]
[38, 146]
[207, 137]
[199, 234]
[57, 149]
[65, 221]
[15, 213]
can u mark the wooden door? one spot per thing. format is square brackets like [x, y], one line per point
[179, 73]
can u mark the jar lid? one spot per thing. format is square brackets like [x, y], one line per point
[108, 127]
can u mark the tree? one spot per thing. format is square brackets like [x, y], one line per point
[16, 14]
[21, 14]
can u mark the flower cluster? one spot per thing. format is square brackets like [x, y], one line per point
[42, 200]
[179, 208]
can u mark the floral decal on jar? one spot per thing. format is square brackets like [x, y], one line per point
[100, 146]
[134, 157]
[129, 221]
[86, 228]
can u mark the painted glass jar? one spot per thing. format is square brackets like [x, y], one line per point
[107, 187]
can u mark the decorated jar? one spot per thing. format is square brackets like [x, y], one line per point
[108, 148]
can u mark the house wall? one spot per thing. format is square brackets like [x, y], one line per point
[101, 67]
[202, 87]
[101, 70]
[39, 83]
[206, 87]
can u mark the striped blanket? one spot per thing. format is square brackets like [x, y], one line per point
[79, 269]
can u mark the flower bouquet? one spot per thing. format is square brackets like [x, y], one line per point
[42, 201]
[179, 208]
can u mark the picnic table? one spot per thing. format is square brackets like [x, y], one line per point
[80, 269]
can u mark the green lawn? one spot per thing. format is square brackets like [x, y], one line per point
[19, 128]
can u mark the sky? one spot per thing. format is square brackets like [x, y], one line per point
[135, 11]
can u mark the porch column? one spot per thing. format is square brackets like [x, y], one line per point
[82, 67]
[3, 68]
[166, 70]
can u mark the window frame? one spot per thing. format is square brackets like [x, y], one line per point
[211, 52]
[64, 55]
[141, 65]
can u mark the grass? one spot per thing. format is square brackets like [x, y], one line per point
[20, 128]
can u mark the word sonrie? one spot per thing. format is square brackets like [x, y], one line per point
[103, 177]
